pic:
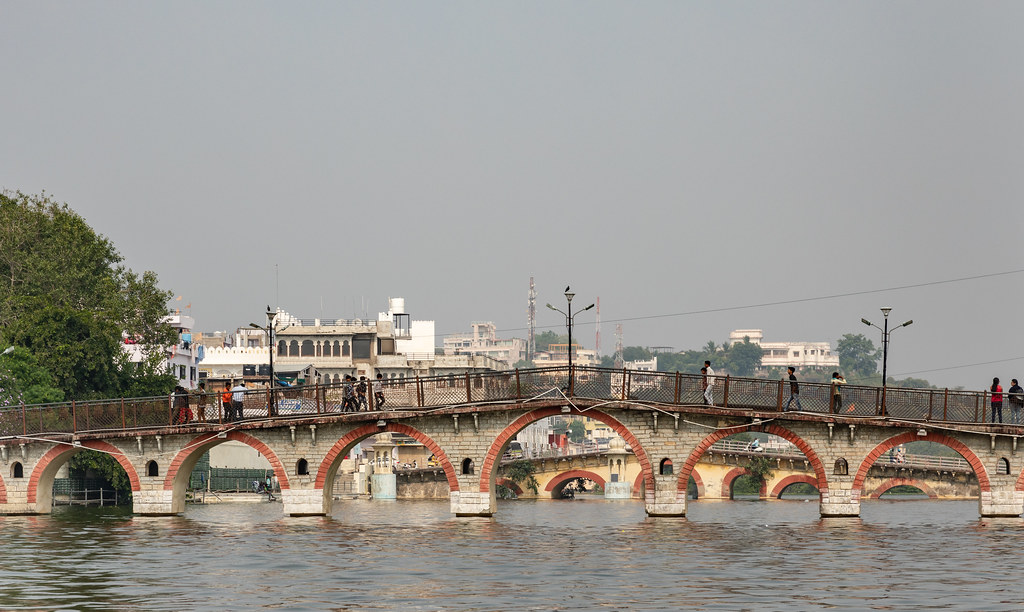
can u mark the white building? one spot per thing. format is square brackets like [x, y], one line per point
[785, 354]
[484, 341]
[181, 358]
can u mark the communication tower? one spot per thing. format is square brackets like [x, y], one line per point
[619, 361]
[597, 338]
[531, 322]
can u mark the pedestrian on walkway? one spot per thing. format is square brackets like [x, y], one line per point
[1016, 397]
[226, 403]
[709, 391]
[378, 392]
[837, 391]
[997, 400]
[794, 390]
[238, 399]
[704, 385]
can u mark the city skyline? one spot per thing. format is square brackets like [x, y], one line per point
[700, 167]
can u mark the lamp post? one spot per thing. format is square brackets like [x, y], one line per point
[270, 315]
[569, 316]
[885, 344]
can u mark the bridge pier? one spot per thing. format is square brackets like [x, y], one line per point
[468, 503]
[666, 499]
[156, 502]
[1001, 500]
[839, 503]
[304, 502]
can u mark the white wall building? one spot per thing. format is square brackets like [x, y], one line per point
[182, 358]
[785, 354]
[484, 341]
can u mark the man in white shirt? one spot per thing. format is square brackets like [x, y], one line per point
[238, 398]
[709, 396]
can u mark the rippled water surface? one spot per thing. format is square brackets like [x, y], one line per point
[533, 555]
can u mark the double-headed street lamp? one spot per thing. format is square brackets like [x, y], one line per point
[569, 316]
[271, 315]
[885, 345]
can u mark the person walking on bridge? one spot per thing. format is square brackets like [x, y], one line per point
[709, 391]
[226, 403]
[837, 391]
[997, 400]
[1016, 397]
[238, 399]
[794, 390]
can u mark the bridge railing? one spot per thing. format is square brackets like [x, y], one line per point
[417, 393]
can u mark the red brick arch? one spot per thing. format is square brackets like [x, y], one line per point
[505, 482]
[62, 452]
[791, 480]
[819, 470]
[202, 443]
[911, 436]
[697, 481]
[494, 452]
[571, 474]
[637, 483]
[342, 446]
[735, 473]
[895, 482]
[3, 491]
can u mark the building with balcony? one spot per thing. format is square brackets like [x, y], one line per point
[785, 354]
[182, 358]
[558, 355]
[484, 341]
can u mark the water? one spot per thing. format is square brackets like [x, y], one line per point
[533, 555]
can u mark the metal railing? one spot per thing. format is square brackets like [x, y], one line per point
[736, 394]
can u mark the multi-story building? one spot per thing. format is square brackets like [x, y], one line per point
[785, 354]
[484, 341]
[182, 358]
[558, 355]
[328, 349]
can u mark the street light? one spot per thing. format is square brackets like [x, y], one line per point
[885, 344]
[569, 316]
[271, 315]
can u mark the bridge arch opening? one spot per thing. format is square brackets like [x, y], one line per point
[795, 486]
[562, 443]
[41, 481]
[752, 461]
[935, 464]
[179, 470]
[327, 472]
[665, 467]
[568, 485]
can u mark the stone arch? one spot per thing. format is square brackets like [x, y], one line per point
[40, 484]
[505, 482]
[180, 468]
[911, 436]
[571, 475]
[329, 466]
[783, 484]
[697, 481]
[735, 473]
[3, 490]
[488, 471]
[896, 482]
[777, 430]
[665, 466]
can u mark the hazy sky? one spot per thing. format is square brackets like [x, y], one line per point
[677, 160]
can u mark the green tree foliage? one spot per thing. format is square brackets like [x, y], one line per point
[858, 356]
[522, 473]
[90, 463]
[577, 431]
[743, 357]
[547, 338]
[22, 379]
[66, 297]
[635, 353]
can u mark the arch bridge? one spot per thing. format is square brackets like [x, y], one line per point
[467, 422]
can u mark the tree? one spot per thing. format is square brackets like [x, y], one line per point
[577, 431]
[635, 353]
[521, 472]
[103, 466]
[22, 379]
[744, 357]
[547, 338]
[66, 297]
[857, 355]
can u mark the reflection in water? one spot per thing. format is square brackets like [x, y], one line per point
[534, 555]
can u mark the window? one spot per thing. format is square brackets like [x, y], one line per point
[385, 346]
[17, 471]
[293, 348]
[302, 467]
[666, 467]
[1003, 466]
[361, 347]
[841, 468]
[467, 466]
[181, 372]
[152, 469]
[307, 348]
[344, 349]
[282, 349]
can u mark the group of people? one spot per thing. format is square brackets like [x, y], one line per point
[837, 383]
[233, 400]
[354, 394]
[1015, 397]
